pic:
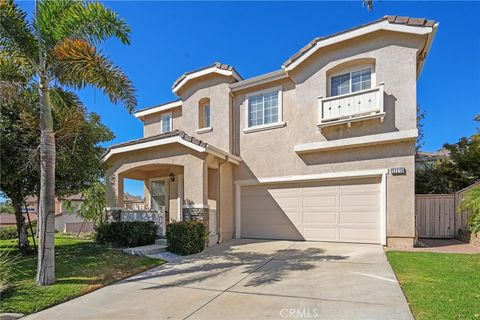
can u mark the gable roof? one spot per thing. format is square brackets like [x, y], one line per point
[176, 136]
[394, 23]
[217, 67]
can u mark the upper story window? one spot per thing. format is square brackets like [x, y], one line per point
[264, 108]
[351, 82]
[204, 118]
[204, 113]
[166, 122]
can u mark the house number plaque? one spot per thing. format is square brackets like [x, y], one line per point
[400, 171]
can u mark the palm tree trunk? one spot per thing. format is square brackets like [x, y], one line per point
[46, 218]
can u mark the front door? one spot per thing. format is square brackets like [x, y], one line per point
[159, 194]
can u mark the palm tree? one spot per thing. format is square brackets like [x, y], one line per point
[60, 46]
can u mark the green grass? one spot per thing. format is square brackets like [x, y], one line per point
[437, 285]
[81, 266]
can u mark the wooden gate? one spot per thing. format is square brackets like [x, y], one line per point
[435, 215]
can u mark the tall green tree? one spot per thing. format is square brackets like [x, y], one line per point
[459, 170]
[60, 45]
[77, 138]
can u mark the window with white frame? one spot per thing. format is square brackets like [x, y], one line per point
[264, 108]
[351, 82]
[166, 122]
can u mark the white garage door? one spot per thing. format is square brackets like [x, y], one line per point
[343, 210]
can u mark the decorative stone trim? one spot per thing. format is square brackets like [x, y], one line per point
[466, 235]
[196, 214]
[113, 214]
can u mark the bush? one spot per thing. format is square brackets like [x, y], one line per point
[8, 233]
[126, 233]
[186, 237]
[471, 202]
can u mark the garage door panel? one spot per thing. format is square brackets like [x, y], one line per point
[356, 200]
[319, 201]
[343, 210]
[363, 217]
[359, 234]
[320, 233]
[319, 217]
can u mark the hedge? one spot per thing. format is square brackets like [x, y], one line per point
[8, 233]
[126, 233]
[186, 237]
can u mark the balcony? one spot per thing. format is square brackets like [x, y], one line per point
[351, 107]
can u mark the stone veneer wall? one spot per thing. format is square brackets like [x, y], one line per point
[466, 235]
[196, 214]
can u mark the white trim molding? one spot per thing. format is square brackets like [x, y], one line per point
[381, 25]
[265, 127]
[203, 130]
[161, 108]
[346, 143]
[176, 139]
[258, 80]
[317, 177]
[213, 69]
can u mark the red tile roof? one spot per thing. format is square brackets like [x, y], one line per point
[9, 219]
[417, 22]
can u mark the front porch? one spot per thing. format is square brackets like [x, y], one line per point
[180, 183]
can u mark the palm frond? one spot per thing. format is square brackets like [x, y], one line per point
[62, 99]
[17, 35]
[50, 12]
[90, 21]
[15, 74]
[77, 64]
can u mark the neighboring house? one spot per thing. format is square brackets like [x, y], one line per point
[66, 220]
[321, 149]
[9, 220]
[133, 202]
[427, 158]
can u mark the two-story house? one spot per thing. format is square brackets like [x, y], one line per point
[321, 149]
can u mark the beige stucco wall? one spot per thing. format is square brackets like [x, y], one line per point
[214, 87]
[152, 123]
[270, 153]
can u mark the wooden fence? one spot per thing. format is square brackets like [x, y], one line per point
[438, 216]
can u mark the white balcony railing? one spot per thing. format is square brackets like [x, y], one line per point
[351, 107]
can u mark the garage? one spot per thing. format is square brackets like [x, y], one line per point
[346, 210]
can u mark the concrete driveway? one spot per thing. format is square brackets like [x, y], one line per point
[248, 279]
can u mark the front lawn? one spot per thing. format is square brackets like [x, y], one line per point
[437, 285]
[81, 266]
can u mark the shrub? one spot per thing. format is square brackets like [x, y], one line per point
[471, 202]
[8, 233]
[8, 270]
[126, 233]
[186, 237]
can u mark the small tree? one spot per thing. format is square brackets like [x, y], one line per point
[471, 203]
[93, 205]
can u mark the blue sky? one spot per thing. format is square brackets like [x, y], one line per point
[169, 38]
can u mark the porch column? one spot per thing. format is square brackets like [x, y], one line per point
[196, 191]
[226, 202]
[120, 197]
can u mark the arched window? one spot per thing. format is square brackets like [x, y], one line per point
[204, 120]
